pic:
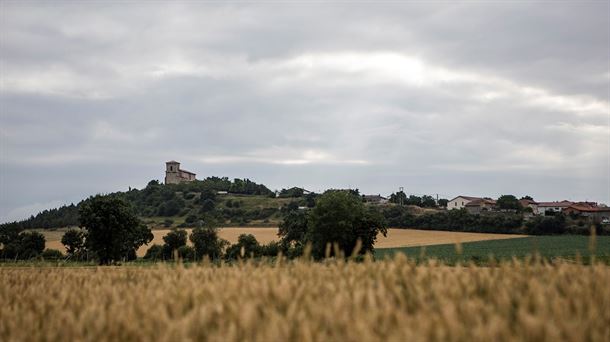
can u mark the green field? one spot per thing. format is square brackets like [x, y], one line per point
[549, 247]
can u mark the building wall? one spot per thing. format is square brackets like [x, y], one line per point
[457, 203]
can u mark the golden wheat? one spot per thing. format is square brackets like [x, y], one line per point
[390, 300]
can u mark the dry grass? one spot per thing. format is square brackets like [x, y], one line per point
[390, 300]
[395, 238]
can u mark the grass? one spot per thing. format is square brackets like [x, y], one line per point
[389, 300]
[551, 247]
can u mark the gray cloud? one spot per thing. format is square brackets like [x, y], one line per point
[466, 98]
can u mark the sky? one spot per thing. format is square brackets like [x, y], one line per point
[448, 98]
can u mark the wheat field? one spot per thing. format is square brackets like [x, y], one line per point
[388, 300]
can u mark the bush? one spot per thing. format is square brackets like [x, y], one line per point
[186, 253]
[155, 252]
[247, 246]
[546, 225]
[168, 223]
[52, 254]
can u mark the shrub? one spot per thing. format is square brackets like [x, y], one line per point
[247, 246]
[155, 252]
[186, 253]
[546, 225]
[52, 254]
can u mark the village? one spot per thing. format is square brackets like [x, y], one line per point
[474, 205]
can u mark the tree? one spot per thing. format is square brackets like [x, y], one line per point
[155, 252]
[443, 202]
[175, 239]
[293, 228]
[74, 241]
[114, 231]
[206, 242]
[246, 246]
[30, 245]
[341, 218]
[527, 197]
[399, 198]
[428, 201]
[414, 200]
[508, 202]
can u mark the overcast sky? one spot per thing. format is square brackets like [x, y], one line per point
[470, 98]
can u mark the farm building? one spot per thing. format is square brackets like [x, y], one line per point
[461, 201]
[588, 209]
[175, 175]
[480, 205]
[551, 208]
[375, 199]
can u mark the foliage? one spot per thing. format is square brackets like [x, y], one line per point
[291, 193]
[155, 252]
[546, 225]
[207, 243]
[508, 202]
[23, 245]
[186, 253]
[247, 246]
[114, 232]
[455, 220]
[399, 197]
[442, 202]
[341, 218]
[175, 239]
[52, 254]
[74, 241]
[293, 228]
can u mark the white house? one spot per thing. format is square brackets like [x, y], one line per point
[461, 201]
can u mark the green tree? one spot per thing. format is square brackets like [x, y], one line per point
[30, 245]
[155, 252]
[443, 202]
[175, 239]
[207, 243]
[428, 201]
[508, 202]
[293, 228]
[399, 198]
[114, 231]
[74, 241]
[341, 218]
[246, 246]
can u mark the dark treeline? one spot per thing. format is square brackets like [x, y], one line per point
[155, 199]
[493, 222]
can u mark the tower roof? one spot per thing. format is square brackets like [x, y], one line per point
[172, 162]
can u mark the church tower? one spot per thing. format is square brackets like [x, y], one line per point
[172, 172]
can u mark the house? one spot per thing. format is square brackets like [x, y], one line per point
[375, 199]
[461, 201]
[588, 209]
[528, 203]
[551, 208]
[480, 205]
[175, 175]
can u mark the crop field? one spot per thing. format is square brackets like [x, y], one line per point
[564, 246]
[388, 300]
[395, 238]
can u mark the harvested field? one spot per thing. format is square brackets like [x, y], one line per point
[389, 300]
[395, 238]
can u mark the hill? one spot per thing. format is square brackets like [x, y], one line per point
[228, 202]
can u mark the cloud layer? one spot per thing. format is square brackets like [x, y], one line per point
[448, 98]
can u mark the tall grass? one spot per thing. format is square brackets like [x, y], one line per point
[389, 300]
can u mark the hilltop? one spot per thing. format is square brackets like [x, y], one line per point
[230, 202]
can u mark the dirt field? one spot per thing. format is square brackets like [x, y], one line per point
[395, 238]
